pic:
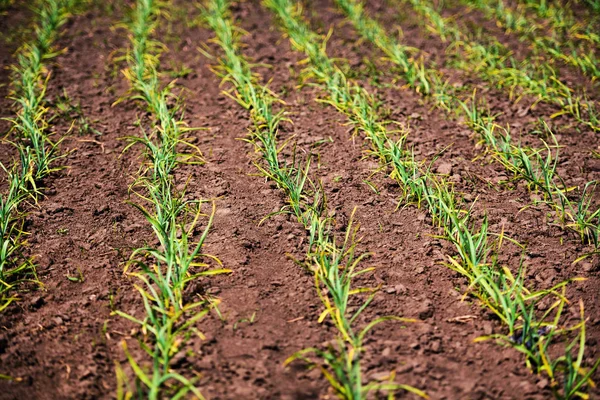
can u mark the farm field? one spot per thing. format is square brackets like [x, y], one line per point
[285, 199]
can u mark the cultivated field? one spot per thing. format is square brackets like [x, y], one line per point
[283, 199]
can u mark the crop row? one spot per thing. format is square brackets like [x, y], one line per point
[334, 266]
[163, 270]
[37, 152]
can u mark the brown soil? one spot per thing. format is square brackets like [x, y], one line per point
[62, 340]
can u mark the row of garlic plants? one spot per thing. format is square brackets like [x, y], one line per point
[164, 270]
[333, 262]
[38, 153]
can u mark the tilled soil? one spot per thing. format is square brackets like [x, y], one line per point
[63, 341]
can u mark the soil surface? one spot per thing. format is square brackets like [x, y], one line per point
[62, 341]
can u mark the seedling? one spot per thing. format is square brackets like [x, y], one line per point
[79, 278]
[249, 321]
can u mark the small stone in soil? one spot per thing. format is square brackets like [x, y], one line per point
[37, 302]
[390, 290]
[386, 352]
[444, 169]
[213, 290]
[401, 289]
[543, 383]
[425, 309]
[403, 369]
[436, 346]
